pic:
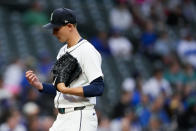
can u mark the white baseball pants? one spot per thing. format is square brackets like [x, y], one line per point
[80, 120]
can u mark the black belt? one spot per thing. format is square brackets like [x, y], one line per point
[62, 110]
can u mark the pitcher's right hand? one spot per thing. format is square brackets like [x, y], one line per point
[33, 80]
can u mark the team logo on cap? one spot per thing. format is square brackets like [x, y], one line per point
[66, 21]
[51, 16]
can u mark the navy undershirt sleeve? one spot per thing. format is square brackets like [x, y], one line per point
[48, 89]
[95, 88]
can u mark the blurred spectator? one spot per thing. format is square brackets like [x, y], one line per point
[186, 120]
[30, 63]
[13, 77]
[147, 112]
[123, 104]
[168, 60]
[129, 84]
[13, 122]
[100, 42]
[173, 107]
[163, 46]
[157, 85]
[46, 122]
[31, 111]
[127, 123]
[172, 4]
[158, 110]
[4, 94]
[187, 49]
[35, 15]
[190, 76]
[44, 66]
[189, 10]
[34, 123]
[5, 98]
[175, 17]
[119, 45]
[137, 15]
[104, 124]
[148, 38]
[141, 1]
[120, 17]
[155, 124]
[144, 7]
[188, 94]
[142, 110]
[157, 11]
[174, 75]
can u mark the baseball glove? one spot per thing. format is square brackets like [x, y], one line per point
[66, 69]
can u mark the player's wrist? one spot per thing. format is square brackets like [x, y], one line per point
[39, 86]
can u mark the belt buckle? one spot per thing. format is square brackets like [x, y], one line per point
[61, 110]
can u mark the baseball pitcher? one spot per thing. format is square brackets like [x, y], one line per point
[77, 74]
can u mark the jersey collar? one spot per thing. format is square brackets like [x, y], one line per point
[75, 46]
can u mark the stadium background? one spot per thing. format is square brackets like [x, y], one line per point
[149, 62]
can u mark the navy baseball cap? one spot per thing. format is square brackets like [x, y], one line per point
[61, 17]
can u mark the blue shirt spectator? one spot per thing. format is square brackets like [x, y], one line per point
[100, 43]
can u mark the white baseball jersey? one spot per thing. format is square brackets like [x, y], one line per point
[90, 62]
